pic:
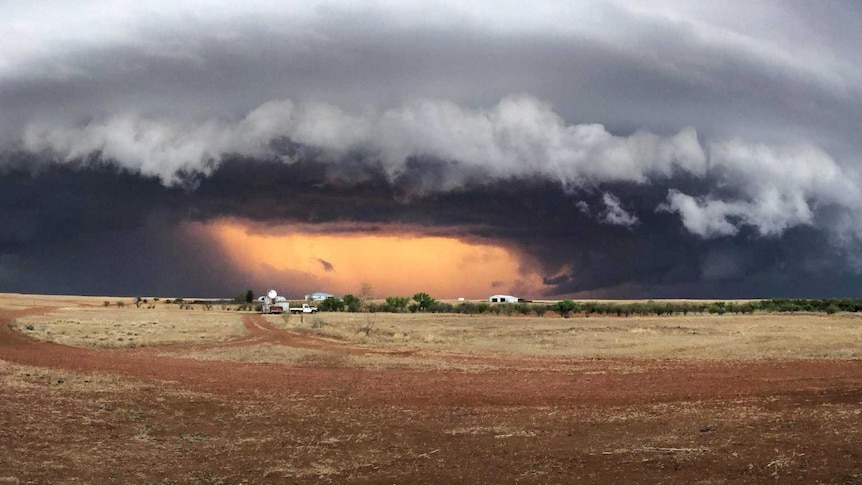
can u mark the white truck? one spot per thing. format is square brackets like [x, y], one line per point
[305, 308]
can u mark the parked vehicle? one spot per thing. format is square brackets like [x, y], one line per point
[305, 308]
[273, 303]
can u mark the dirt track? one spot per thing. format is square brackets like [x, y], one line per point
[598, 421]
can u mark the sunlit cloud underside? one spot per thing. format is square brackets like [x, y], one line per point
[392, 263]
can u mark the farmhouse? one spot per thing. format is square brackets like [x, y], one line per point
[319, 296]
[503, 299]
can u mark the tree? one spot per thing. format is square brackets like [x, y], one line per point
[685, 308]
[424, 302]
[331, 304]
[249, 296]
[397, 304]
[717, 307]
[366, 294]
[352, 303]
[566, 307]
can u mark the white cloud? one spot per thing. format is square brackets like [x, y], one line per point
[520, 136]
[614, 212]
[770, 188]
[704, 217]
[770, 213]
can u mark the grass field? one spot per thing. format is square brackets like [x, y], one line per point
[130, 326]
[694, 336]
[106, 394]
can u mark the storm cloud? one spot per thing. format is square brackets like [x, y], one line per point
[150, 242]
[771, 188]
[654, 149]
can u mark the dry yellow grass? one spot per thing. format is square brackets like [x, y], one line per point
[83, 321]
[694, 336]
[126, 327]
[15, 301]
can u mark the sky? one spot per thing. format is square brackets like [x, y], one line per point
[546, 149]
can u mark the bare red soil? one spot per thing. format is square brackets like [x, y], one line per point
[572, 421]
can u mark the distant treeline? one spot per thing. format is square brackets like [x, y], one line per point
[569, 308]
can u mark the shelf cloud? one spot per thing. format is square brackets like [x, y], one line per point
[615, 149]
[768, 187]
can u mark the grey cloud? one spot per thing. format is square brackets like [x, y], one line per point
[737, 121]
[614, 212]
[519, 136]
[147, 243]
[583, 207]
[704, 217]
[660, 66]
[723, 264]
[769, 187]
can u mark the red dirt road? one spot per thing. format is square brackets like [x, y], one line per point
[594, 421]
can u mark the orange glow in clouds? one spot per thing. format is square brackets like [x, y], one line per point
[393, 264]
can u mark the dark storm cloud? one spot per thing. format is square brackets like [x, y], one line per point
[649, 148]
[577, 251]
[95, 229]
[327, 266]
[98, 229]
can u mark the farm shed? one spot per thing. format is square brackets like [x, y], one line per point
[503, 299]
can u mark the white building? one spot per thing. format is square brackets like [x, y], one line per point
[273, 303]
[319, 296]
[503, 299]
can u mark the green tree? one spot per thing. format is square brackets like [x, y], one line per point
[397, 304]
[331, 304]
[507, 309]
[717, 307]
[249, 296]
[424, 302]
[566, 307]
[685, 308]
[353, 303]
[467, 308]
